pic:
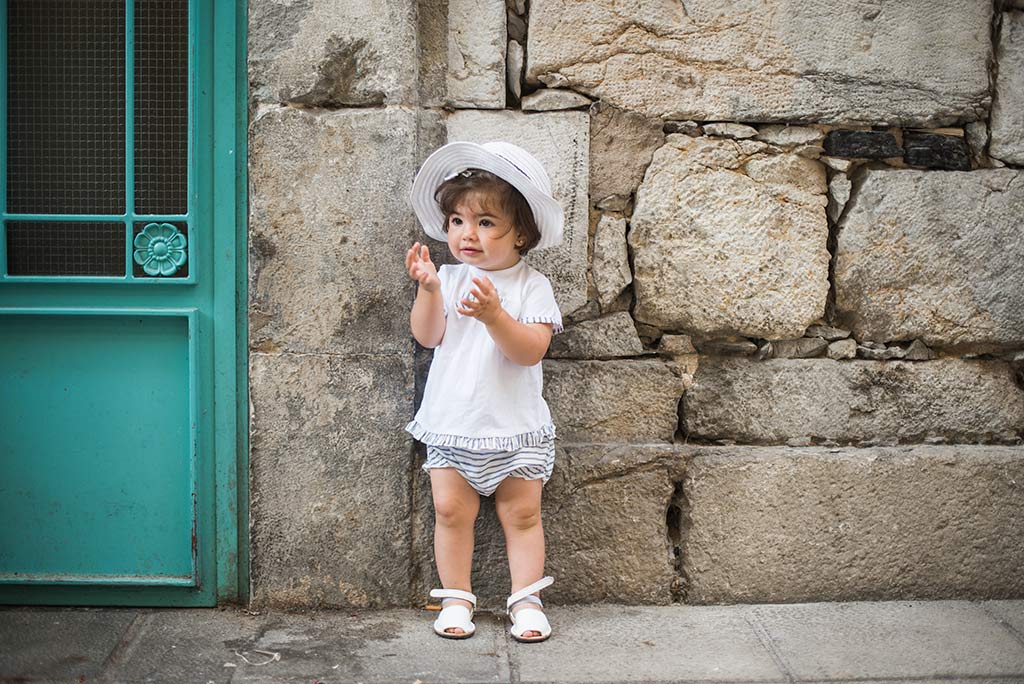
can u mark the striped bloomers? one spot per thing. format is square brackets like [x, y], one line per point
[484, 470]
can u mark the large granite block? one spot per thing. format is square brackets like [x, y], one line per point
[330, 480]
[916, 62]
[770, 402]
[934, 256]
[780, 525]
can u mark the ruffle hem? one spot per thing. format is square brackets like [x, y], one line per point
[534, 438]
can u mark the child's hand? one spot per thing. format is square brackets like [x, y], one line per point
[487, 307]
[421, 268]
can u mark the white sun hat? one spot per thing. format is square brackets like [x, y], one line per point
[505, 160]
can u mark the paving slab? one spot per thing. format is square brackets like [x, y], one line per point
[892, 639]
[609, 643]
[58, 643]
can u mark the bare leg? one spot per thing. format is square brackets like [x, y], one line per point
[517, 502]
[456, 505]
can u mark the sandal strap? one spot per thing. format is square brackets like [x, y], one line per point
[454, 593]
[528, 590]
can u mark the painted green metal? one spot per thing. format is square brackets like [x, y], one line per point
[214, 289]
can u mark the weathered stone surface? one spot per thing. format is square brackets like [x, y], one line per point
[610, 266]
[838, 195]
[837, 163]
[792, 61]
[827, 332]
[327, 202]
[919, 351]
[476, 53]
[602, 338]
[730, 130]
[842, 349]
[935, 256]
[549, 100]
[881, 353]
[621, 146]
[1007, 119]
[327, 448]
[676, 344]
[605, 529]
[516, 27]
[514, 73]
[947, 152]
[774, 400]
[730, 346]
[612, 401]
[561, 141]
[322, 53]
[777, 525]
[867, 144]
[726, 242]
[687, 127]
[798, 348]
[789, 136]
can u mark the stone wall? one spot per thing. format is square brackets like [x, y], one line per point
[792, 281]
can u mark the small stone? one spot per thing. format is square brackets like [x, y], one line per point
[934, 439]
[837, 163]
[919, 351]
[728, 346]
[868, 144]
[691, 128]
[610, 337]
[838, 195]
[884, 354]
[550, 99]
[514, 67]
[842, 349]
[799, 441]
[730, 130]
[516, 27]
[798, 348]
[611, 261]
[945, 152]
[976, 135]
[765, 351]
[673, 345]
[809, 151]
[648, 333]
[788, 136]
[621, 204]
[827, 332]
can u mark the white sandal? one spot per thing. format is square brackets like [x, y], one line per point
[528, 619]
[454, 615]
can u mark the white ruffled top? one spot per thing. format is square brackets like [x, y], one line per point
[475, 397]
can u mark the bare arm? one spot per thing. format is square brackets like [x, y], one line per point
[427, 316]
[522, 343]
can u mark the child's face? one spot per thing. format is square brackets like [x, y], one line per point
[482, 234]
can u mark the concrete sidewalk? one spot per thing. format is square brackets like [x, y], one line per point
[891, 642]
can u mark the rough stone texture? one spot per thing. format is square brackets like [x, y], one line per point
[621, 146]
[789, 136]
[780, 60]
[514, 72]
[842, 349]
[727, 241]
[935, 256]
[476, 53]
[730, 130]
[606, 536]
[771, 401]
[610, 266]
[560, 140]
[602, 338]
[778, 525]
[1007, 122]
[867, 144]
[549, 100]
[612, 401]
[947, 152]
[797, 348]
[328, 194]
[827, 332]
[838, 195]
[332, 54]
[330, 479]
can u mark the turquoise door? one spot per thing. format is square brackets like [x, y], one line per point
[120, 358]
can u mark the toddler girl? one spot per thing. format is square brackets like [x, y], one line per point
[489, 319]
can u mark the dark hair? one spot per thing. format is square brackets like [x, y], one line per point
[511, 201]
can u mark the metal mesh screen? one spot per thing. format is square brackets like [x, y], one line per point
[66, 106]
[65, 248]
[161, 106]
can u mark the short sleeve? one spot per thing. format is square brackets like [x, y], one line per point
[539, 305]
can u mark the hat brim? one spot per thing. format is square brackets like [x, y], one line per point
[459, 156]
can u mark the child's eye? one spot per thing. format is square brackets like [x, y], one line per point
[486, 223]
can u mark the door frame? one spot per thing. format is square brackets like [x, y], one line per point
[220, 146]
